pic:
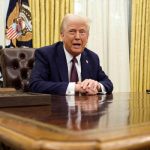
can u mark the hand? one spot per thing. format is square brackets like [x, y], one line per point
[79, 89]
[88, 87]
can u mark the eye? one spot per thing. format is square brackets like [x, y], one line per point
[72, 31]
[82, 32]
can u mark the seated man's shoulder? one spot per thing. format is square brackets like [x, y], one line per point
[90, 53]
[49, 48]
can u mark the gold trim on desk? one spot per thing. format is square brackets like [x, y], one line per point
[7, 90]
[27, 134]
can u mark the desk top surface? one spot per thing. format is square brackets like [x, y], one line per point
[85, 112]
[99, 117]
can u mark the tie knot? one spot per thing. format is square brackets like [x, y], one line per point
[74, 60]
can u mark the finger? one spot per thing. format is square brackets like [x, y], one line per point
[90, 83]
[91, 91]
[96, 85]
[93, 84]
[84, 84]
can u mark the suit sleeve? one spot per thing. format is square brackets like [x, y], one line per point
[40, 80]
[103, 79]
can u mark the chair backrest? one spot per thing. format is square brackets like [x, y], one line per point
[16, 66]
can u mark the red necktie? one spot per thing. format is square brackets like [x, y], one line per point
[74, 74]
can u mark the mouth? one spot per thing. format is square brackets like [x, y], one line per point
[76, 45]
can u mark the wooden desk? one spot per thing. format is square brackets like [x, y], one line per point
[114, 122]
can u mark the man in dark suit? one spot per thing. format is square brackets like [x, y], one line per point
[55, 73]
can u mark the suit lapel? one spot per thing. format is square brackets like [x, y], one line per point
[62, 63]
[85, 67]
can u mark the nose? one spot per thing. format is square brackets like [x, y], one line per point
[77, 35]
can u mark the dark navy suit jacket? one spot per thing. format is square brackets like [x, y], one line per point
[50, 72]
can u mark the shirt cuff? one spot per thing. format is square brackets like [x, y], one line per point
[71, 89]
[103, 89]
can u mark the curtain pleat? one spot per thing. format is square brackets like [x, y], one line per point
[47, 22]
[42, 22]
[52, 16]
[46, 18]
[140, 50]
[136, 104]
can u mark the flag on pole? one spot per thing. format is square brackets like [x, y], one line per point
[12, 33]
[18, 24]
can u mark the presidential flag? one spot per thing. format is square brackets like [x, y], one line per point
[18, 24]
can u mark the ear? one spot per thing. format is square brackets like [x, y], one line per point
[61, 36]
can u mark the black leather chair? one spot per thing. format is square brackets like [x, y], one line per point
[16, 66]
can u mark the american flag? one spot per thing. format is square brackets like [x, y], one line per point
[12, 33]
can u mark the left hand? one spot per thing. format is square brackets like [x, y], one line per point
[91, 87]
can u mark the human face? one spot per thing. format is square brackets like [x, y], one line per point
[75, 36]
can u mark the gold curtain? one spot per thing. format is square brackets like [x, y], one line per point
[138, 107]
[140, 46]
[46, 19]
